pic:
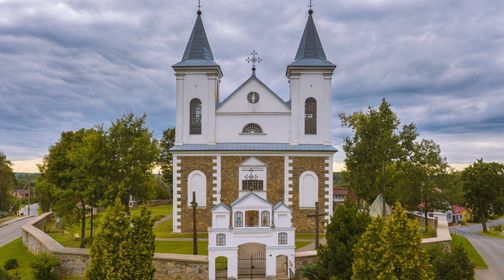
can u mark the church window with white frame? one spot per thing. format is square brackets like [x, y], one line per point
[308, 189]
[252, 176]
[238, 219]
[252, 128]
[265, 218]
[220, 239]
[196, 183]
[282, 238]
[310, 116]
[195, 117]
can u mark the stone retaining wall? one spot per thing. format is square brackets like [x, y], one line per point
[74, 260]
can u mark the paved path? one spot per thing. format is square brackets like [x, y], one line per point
[13, 230]
[491, 249]
[162, 220]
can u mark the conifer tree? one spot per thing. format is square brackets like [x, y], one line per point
[368, 252]
[391, 250]
[343, 232]
[142, 244]
[109, 253]
[403, 255]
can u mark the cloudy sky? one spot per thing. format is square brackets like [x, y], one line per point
[70, 64]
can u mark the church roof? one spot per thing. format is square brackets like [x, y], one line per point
[198, 51]
[221, 205]
[279, 205]
[282, 147]
[310, 51]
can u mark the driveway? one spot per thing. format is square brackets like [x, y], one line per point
[491, 249]
[13, 230]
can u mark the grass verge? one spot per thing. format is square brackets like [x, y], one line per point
[16, 250]
[492, 233]
[181, 247]
[474, 256]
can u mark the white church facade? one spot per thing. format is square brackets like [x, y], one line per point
[256, 163]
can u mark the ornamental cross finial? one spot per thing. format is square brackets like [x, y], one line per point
[254, 59]
[199, 5]
[310, 6]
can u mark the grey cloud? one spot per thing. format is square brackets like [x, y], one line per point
[71, 64]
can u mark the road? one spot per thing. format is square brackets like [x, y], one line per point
[13, 230]
[491, 249]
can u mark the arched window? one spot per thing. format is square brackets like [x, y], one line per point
[195, 116]
[310, 116]
[197, 183]
[265, 218]
[220, 239]
[239, 219]
[308, 189]
[252, 128]
[282, 238]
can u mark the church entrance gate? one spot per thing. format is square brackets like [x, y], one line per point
[251, 261]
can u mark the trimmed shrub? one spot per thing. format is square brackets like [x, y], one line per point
[11, 264]
[4, 275]
[44, 267]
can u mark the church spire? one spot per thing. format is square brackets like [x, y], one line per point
[198, 51]
[310, 51]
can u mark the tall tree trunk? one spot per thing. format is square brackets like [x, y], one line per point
[426, 215]
[91, 226]
[483, 223]
[83, 224]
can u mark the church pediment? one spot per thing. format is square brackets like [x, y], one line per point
[250, 200]
[253, 96]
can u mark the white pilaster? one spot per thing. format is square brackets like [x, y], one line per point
[328, 196]
[216, 190]
[288, 181]
[176, 194]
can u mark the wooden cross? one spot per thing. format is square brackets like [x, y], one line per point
[194, 204]
[317, 222]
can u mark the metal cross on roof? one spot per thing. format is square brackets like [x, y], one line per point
[254, 59]
[199, 4]
[310, 6]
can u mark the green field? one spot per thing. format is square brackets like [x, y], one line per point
[474, 256]
[181, 247]
[16, 250]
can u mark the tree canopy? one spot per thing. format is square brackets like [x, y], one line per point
[483, 184]
[7, 183]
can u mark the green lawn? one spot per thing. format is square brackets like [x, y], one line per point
[308, 236]
[181, 247]
[430, 233]
[492, 233]
[475, 257]
[16, 250]
[158, 212]
[301, 244]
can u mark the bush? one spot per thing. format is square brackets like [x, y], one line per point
[498, 228]
[450, 266]
[11, 264]
[4, 275]
[44, 267]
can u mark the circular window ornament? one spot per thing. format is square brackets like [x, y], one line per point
[253, 97]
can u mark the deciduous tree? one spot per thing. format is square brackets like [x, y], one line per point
[7, 183]
[483, 184]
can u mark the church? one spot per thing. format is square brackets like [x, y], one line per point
[252, 153]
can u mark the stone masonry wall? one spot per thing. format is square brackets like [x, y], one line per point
[274, 177]
[300, 164]
[204, 217]
[74, 261]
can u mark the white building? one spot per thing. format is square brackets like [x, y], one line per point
[255, 238]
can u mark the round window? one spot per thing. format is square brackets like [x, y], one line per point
[253, 97]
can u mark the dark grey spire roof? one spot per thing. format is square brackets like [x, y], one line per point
[197, 52]
[310, 51]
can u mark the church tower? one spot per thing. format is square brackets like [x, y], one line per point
[310, 90]
[198, 78]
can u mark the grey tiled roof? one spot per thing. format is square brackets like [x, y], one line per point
[254, 147]
[197, 52]
[310, 51]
